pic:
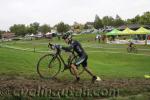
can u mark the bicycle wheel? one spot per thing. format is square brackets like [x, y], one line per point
[129, 50]
[135, 50]
[48, 66]
[80, 69]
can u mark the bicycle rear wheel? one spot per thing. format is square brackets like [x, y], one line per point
[135, 50]
[80, 69]
[48, 66]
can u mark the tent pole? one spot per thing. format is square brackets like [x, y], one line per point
[146, 40]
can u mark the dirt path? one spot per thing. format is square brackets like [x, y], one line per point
[105, 88]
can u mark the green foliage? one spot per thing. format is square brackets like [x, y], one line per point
[144, 19]
[61, 27]
[118, 21]
[18, 29]
[1, 32]
[34, 27]
[134, 20]
[44, 28]
[30, 30]
[97, 22]
[107, 21]
[86, 26]
[21, 29]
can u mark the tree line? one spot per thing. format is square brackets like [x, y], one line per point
[98, 23]
[34, 28]
[118, 21]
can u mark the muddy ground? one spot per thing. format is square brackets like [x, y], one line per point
[66, 88]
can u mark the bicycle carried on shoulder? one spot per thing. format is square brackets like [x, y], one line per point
[49, 65]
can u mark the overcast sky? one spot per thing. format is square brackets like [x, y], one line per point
[53, 11]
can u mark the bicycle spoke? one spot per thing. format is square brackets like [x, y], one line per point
[48, 66]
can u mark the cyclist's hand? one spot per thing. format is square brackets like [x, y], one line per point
[51, 46]
[58, 46]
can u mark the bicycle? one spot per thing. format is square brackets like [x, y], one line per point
[132, 49]
[49, 65]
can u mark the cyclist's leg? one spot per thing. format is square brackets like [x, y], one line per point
[84, 64]
[89, 72]
[74, 68]
[83, 60]
[80, 60]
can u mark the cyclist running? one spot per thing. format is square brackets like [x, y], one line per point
[76, 46]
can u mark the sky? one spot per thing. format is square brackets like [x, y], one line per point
[69, 11]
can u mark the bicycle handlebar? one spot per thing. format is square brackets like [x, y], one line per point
[50, 46]
[53, 47]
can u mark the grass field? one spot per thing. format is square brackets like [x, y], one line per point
[109, 61]
[106, 61]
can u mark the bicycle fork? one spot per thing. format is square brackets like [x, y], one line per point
[54, 57]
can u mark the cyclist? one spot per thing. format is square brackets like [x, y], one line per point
[130, 44]
[76, 46]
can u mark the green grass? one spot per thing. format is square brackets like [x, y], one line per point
[16, 62]
[103, 63]
[109, 60]
[119, 65]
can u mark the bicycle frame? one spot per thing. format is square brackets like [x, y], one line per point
[58, 54]
[60, 57]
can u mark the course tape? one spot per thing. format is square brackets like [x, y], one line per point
[40, 51]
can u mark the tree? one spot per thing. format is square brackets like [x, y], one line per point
[19, 30]
[86, 26]
[77, 27]
[1, 32]
[61, 27]
[30, 30]
[44, 28]
[145, 18]
[34, 27]
[118, 21]
[137, 19]
[97, 22]
[107, 21]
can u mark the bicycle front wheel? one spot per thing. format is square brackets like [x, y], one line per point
[48, 66]
[129, 50]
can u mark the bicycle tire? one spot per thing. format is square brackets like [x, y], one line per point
[49, 66]
[135, 50]
[129, 50]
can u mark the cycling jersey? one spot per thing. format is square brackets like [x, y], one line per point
[75, 46]
[130, 44]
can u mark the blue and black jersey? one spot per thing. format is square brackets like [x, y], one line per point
[75, 46]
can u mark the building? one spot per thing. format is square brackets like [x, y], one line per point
[8, 35]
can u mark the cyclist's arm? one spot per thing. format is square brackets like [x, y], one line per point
[68, 49]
